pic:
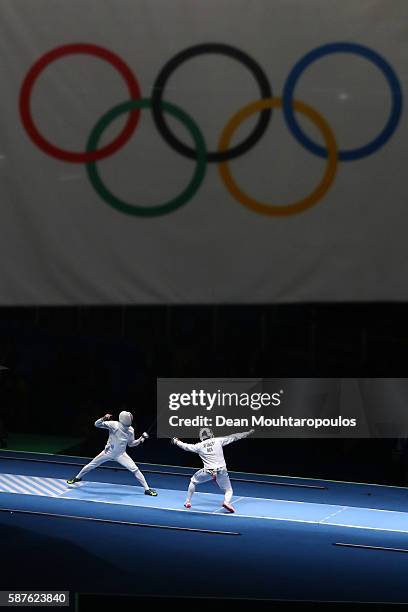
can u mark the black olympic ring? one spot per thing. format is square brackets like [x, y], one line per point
[175, 62]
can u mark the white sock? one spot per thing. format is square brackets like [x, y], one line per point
[83, 472]
[139, 476]
[190, 492]
[228, 496]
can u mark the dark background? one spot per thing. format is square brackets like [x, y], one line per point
[70, 365]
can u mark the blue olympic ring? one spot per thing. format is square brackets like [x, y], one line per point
[372, 56]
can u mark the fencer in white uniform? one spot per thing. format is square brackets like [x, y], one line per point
[211, 452]
[121, 435]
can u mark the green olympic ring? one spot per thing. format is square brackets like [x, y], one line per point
[170, 205]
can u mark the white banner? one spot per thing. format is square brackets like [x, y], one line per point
[203, 152]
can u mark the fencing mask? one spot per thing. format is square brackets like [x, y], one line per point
[205, 434]
[125, 418]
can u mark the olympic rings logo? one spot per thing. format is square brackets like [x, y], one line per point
[224, 153]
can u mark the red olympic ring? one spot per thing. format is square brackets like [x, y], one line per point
[25, 98]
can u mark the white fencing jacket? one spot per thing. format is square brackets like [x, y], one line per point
[119, 437]
[211, 450]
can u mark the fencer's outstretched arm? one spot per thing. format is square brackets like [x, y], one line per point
[187, 447]
[132, 442]
[237, 436]
[103, 421]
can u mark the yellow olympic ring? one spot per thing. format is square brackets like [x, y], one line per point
[279, 209]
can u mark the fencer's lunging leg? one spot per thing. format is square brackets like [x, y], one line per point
[198, 478]
[99, 459]
[130, 465]
[228, 495]
[139, 476]
[224, 483]
[190, 491]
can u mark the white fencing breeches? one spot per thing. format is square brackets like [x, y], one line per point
[123, 459]
[221, 476]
